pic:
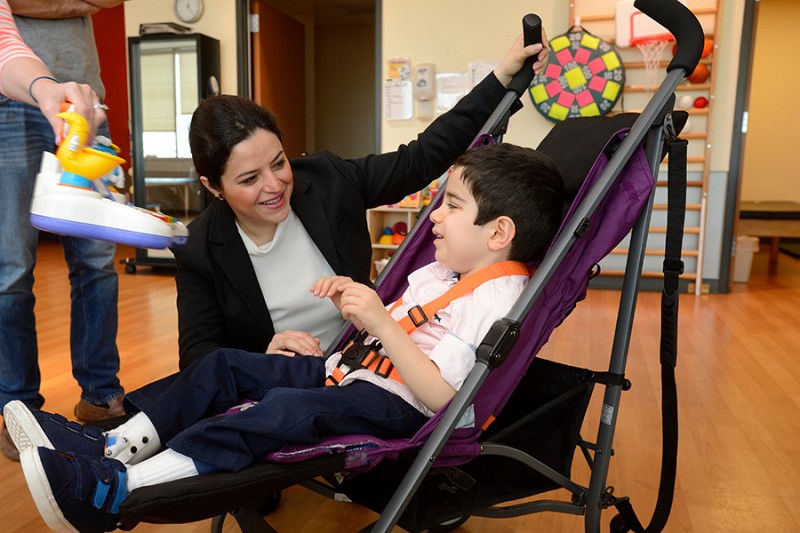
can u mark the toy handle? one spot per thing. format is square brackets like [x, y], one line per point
[532, 34]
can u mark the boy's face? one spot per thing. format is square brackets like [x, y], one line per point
[460, 244]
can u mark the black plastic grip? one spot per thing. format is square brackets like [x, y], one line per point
[683, 25]
[532, 34]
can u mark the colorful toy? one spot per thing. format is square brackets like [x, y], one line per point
[386, 237]
[74, 196]
[700, 102]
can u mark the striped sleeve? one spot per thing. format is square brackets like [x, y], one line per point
[11, 44]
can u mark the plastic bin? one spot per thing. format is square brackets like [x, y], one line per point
[746, 246]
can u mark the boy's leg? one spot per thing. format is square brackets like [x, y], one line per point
[297, 416]
[217, 382]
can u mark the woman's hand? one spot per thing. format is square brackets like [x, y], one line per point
[51, 96]
[294, 343]
[516, 56]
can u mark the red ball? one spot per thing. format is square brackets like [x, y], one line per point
[700, 102]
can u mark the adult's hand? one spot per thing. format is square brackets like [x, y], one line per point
[51, 97]
[515, 58]
[291, 342]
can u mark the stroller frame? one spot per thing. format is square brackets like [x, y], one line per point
[590, 500]
[648, 128]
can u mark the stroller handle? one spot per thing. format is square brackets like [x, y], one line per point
[682, 24]
[532, 34]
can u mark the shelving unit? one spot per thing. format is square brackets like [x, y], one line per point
[378, 219]
[598, 18]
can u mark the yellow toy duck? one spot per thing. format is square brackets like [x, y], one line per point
[80, 161]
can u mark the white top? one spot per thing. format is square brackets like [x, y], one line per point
[286, 268]
[451, 337]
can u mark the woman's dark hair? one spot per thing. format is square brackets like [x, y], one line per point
[520, 183]
[218, 125]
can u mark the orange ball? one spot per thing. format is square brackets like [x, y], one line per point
[708, 46]
[700, 74]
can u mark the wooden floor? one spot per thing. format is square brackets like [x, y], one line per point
[739, 392]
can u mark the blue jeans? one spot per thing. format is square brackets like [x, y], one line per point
[24, 135]
[295, 407]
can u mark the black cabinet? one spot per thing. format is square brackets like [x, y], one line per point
[169, 76]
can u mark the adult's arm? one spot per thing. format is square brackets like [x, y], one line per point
[59, 9]
[23, 77]
[201, 323]
[386, 178]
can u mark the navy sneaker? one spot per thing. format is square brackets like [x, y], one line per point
[34, 428]
[76, 493]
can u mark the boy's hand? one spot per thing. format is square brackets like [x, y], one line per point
[361, 305]
[330, 287]
[291, 342]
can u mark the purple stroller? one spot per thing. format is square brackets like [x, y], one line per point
[514, 426]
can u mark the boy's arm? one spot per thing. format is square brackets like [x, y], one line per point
[59, 9]
[362, 306]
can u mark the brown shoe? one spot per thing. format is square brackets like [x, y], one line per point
[87, 412]
[9, 450]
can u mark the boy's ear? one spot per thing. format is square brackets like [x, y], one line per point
[503, 234]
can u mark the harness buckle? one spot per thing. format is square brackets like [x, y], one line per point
[417, 316]
[384, 370]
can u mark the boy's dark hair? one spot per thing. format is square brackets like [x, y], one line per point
[218, 125]
[520, 183]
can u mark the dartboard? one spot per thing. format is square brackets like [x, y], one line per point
[584, 77]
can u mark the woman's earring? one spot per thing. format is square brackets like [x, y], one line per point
[220, 198]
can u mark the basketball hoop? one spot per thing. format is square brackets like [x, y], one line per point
[652, 49]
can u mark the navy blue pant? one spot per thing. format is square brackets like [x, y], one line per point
[295, 407]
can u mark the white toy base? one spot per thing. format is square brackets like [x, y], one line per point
[83, 213]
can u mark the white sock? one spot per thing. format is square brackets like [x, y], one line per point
[168, 465]
[134, 441]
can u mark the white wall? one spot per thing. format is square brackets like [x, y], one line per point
[218, 21]
[450, 34]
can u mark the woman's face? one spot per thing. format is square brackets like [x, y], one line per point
[257, 184]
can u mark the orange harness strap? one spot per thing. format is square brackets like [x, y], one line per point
[358, 355]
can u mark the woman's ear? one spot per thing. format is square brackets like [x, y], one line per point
[207, 185]
[503, 234]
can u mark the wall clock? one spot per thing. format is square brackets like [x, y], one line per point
[189, 10]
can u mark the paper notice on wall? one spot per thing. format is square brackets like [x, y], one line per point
[450, 88]
[479, 70]
[398, 99]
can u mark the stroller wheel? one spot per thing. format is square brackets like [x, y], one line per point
[268, 504]
[449, 525]
[618, 525]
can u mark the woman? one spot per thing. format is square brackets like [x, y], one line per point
[276, 227]
[23, 77]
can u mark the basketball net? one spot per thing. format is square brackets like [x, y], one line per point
[652, 50]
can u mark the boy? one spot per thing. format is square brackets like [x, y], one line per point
[501, 208]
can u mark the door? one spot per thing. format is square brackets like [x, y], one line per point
[278, 51]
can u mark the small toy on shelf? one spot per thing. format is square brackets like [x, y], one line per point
[386, 237]
[74, 196]
[399, 232]
[394, 235]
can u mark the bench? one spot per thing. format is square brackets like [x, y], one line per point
[772, 219]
